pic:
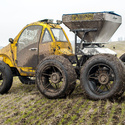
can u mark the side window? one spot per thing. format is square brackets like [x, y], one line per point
[46, 37]
[29, 36]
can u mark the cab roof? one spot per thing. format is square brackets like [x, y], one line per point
[47, 23]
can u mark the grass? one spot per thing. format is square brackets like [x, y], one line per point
[24, 105]
[118, 47]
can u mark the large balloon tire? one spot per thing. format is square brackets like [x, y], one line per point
[6, 78]
[102, 77]
[61, 68]
[122, 58]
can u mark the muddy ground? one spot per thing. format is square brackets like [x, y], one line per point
[24, 105]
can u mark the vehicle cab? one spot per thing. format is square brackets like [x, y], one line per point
[35, 42]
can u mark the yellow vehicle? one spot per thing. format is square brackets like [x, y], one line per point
[42, 51]
[35, 42]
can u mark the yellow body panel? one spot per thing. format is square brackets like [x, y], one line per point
[9, 53]
[6, 55]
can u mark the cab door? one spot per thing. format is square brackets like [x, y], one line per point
[27, 46]
[46, 45]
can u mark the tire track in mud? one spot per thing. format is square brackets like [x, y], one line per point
[122, 113]
[111, 113]
[50, 110]
[94, 114]
[71, 115]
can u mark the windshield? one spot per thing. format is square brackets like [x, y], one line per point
[59, 35]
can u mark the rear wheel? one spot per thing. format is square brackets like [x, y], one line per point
[55, 77]
[101, 77]
[122, 58]
[6, 78]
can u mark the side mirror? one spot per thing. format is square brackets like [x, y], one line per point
[11, 40]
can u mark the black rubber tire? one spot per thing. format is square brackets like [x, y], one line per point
[67, 71]
[26, 80]
[6, 78]
[89, 84]
[122, 58]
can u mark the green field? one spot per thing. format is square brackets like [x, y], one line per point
[24, 105]
[118, 47]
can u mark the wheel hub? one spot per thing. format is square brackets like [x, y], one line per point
[103, 78]
[55, 78]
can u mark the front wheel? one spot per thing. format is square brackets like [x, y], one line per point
[55, 77]
[6, 78]
[101, 77]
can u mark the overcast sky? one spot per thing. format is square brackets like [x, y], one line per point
[15, 14]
